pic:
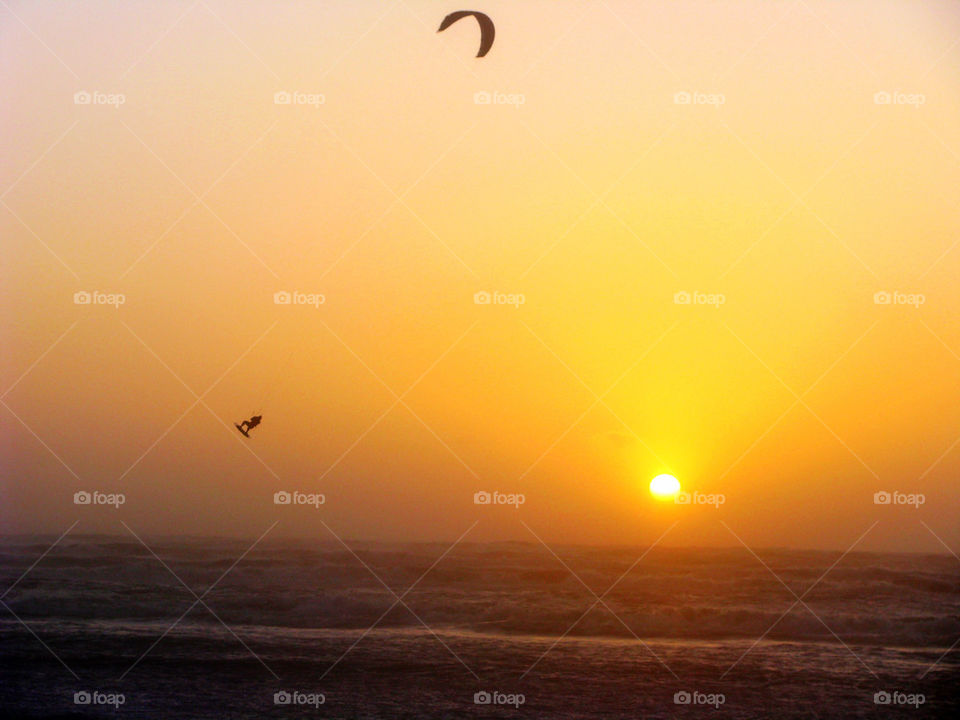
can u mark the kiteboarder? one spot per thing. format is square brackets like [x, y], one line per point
[247, 425]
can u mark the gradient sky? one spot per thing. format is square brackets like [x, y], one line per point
[598, 199]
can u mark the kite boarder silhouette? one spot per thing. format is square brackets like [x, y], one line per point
[247, 425]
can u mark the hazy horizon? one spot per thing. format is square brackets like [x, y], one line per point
[353, 542]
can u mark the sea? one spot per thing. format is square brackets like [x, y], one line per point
[197, 628]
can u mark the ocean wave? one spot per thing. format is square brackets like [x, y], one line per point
[501, 588]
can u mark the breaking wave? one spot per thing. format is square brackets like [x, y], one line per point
[498, 588]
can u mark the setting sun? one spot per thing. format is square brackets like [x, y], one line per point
[664, 486]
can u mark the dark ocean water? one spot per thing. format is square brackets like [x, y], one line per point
[110, 630]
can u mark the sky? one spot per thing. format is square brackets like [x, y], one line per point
[791, 169]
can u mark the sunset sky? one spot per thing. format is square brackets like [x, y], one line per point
[584, 187]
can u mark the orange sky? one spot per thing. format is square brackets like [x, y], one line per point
[598, 199]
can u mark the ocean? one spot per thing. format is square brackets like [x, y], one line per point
[106, 626]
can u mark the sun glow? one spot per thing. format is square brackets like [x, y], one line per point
[664, 486]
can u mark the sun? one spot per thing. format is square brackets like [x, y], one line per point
[664, 486]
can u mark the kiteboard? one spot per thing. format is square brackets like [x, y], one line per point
[242, 431]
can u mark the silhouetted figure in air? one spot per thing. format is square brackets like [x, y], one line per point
[247, 425]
